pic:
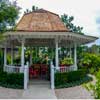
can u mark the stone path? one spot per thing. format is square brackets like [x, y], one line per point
[6, 93]
[77, 92]
[37, 90]
[34, 91]
[40, 92]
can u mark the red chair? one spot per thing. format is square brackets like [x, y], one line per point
[31, 72]
[44, 71]
[36, 73]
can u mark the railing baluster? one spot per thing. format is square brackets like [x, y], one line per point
[66, 69]
[13, 69]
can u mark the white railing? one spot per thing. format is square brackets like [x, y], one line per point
[59, 69]
[18, 69]
[13, 69]
[66, 68]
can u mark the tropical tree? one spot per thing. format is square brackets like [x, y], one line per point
[34, 8]
[68, 23]
[8, 14]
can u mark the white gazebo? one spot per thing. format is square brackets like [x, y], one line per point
[42, 28]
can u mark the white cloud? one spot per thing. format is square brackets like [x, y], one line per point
[84, 11]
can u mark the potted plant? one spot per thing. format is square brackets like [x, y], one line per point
[66, 62]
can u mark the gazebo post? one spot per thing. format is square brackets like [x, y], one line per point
[22, 53]
[12, 55]
[70, 52]
[30, 56]
[56, 56]
[5, 57]
[75, 56]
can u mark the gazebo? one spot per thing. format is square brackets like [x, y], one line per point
[42, 28]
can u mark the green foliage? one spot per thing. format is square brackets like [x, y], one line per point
[94, 49]
[76, 75]
[3, 77]
[37, 60]
[75, 83]
[8, 15]
[67, 77]
[90, 61]
[67, 61]
[15, 78]
[92, 70]
[60, 78]
[11, 80]
[1, 59]
[96, 88]
[34, 8]
[68, 23]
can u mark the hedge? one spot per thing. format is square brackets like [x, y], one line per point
[75, 83]
[67, 77]
[12, 80]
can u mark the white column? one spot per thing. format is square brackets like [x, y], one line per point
[26, 76]
[5, 56]
[52, 54]
[52, 76]
[22, 54]
[12, 55]
[70, 53]
[56, 56]
[30, 56]
[75, 57]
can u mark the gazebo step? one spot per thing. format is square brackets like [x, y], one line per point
[38, 82]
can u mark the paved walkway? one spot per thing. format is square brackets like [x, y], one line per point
[34, 91]
[39, 92]
[77, 92]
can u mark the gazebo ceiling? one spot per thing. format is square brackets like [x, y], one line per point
[41, 21]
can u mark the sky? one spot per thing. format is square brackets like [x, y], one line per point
[86, 12]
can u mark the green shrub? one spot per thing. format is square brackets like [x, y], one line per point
[67, 61]
[15, 78]
[67, 77]
[3, 77]
[60, 78]
[76, 75]
[11, 80]
[92, 70]
[75, 83]
[90, 61]
[96, 88]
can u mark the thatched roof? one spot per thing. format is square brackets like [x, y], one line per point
[41, 21]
